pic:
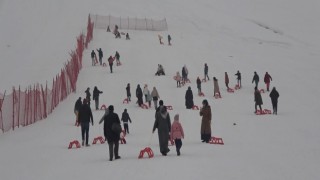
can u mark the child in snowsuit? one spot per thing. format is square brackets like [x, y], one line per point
[177, 133]
[125, 118]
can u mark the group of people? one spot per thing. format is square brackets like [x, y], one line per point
[160, 39]
[110, 59]
[153, 96]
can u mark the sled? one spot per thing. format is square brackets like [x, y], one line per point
[216, 140]
[147, 150]
[237, 87]
[195, 107]
[230, 90]
[261, 90]
[104, 65]
[75, 142]
[169, 107]
[203, 80]
[144, 106]
[103, 107]
[217, 96]
[263, 112]
[201, 94]
[98, 139]
[125, 101]
[122, 137]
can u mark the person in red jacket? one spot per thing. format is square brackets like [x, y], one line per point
[110, 60]
[267, 79]
[177, 133]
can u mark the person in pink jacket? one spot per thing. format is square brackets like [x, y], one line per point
[177, 133]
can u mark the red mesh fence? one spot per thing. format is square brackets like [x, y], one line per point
[37, 102]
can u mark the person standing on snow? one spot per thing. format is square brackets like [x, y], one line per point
[100, 54]
[226, 80]
[125, 118]
[257, 99]
[178, 79]
[238, 74]
[184, 74]
[216, 89]
[93, 57]
[206, 69]
[110, 60]
[199, 85]
[117, 56]
[128, 92]
[169, 40]
[206, 114]
[85, 115]
[274, 95]
[255, 79]
[95, 97]
[77, 107]
[88, 96]
[111, 133]
[267, 79]
[177, 133]
[145, 91]
[139, 95]
[163, 124]
[189, 98]
[155, 96]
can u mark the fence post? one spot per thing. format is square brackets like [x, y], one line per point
[1, 103]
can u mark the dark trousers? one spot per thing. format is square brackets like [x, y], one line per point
[275, 106]
[178, 143]
[111, 67]
[100, 60]
[206, 76]
[97, 103]
[113, 149]
[85, 132]
[126, 127]
[256, 106]
[205, 137]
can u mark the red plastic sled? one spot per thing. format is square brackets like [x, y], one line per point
[143, 106]
[125, 101]
[195, 107]
[169, 107]
[103, 107]
[75, 142]
[216, 140]
[201, 94]
[122, 139]
[263, 112]
[98, 139]
[203, 80]
[147, 150]
[261, 90]
[104, 65]
[217, 96]
[230, 90]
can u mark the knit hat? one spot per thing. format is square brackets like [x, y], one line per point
[111, 108]
[176, 117]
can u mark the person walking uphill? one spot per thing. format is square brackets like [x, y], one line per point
[95, 97]
[177, 133]
[88, 96]
[128, 92]
[205, 112]
[206, 69]
[126, 118]
[189, 98]
[85, 115]
[267, 79]
[226, 80]
[257, 99]
[163, 124]
[100, 54]
[77, 107]
[274, 95]
[155, 96]
[112, 130]
[93, 58]
[139, 95]
[255, 79]
[110, 60]
[238, 74]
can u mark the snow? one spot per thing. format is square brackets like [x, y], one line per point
[280, 37]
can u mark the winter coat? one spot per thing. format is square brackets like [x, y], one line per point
[206, 68]
[255, 78]
[267, 78]
[117, 55]
[198, 83]
[128, 91]
[238, 76]
[163, 124]
[125, 117]
[226, 78]
[139, 95]
[85, 114]
[155, 94]
[216, 88]
[88, 95]
[96, 94]
[100, 53]
[274, 95]
[189, 99]
[205, 112]
[77, 105]
[110, 60]
[93, 54]
[145, 90]
[149, 97]
[257, 97]
[176, 130]
[108, 133]
[178, 77]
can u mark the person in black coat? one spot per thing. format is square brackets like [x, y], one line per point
[95, 96]
[255, 79]
[257, 99]
[93, 57]
[128, 92]
[100, 54]
[111, 136]
[189, 98]
[274, 95]
[88, 96]
[85, 115]
[77, 107]
[125, 118]
[206, 69]
[117, 56]
[199, 85]
[139, 95]
[238, 74]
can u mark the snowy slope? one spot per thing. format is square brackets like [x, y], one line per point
[278, 37]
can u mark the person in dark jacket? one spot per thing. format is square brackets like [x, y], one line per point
[206, 114]
[267, 79]
[169, 40]
[117, 56]
[226, 79]
[189, 98]
[77, 107]
[255, 79]
[206, 69]
[88, 96]
[125, 118]
[100, 54]
[127, 36]
[163, 124]
[128, 92]
[95, 97]
[139, 95]
[112, 136]
[257, 99]
[238, 74]
[199, 85]
[110, 60]
[274, 95]
[85, 115]
[93, 57]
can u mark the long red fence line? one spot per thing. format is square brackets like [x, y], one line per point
[36, 103]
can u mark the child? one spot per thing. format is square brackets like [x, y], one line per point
[125, 118]
[177, 133]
